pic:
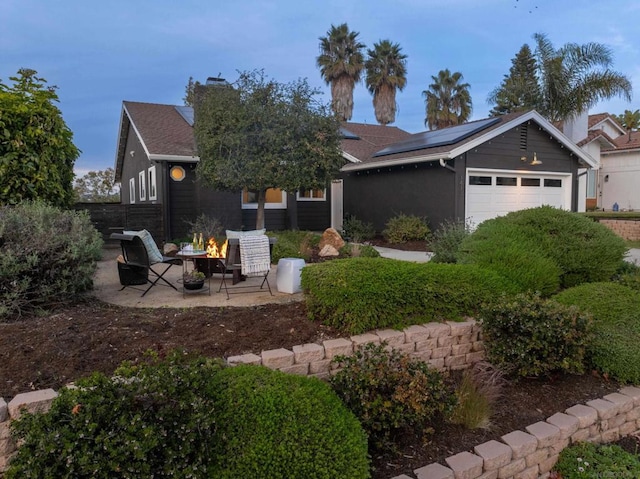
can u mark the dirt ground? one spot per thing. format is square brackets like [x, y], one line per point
[51, 350]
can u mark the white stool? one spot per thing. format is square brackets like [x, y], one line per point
[288, 275]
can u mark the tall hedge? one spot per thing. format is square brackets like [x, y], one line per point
[361, 294]
[48, 256]
[582, 250]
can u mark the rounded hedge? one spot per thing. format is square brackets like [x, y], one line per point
[279, 425]
[579, 249]
[362, 294]
[48, 256]
[616, 322]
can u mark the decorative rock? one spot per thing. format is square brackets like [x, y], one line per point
[3, 410]
[328, 251]
[170, 249]
[332, 238]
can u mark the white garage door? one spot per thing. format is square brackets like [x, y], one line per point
[492, 193]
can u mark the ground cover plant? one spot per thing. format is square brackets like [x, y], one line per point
[616, 323]
[596, 461]
[446, 240]
[403, 228]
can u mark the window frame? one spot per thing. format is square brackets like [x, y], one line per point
[312, 198]
[153, 186]
[267, 206]
[142, 181]
[132, 191]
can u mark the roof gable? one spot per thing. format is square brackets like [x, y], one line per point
[466, 143]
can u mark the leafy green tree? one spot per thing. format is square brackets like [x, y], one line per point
[262, 134]
[386, 68]
[190, 92]
[447, 101]
[97, 186]
[519, 90]
[341, 63]
[36, 148]
[630, 120]
[570, 80]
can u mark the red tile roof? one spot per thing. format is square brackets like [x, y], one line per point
[626, 142]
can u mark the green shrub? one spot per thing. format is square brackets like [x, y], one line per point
[294, 244]
[628, 274]
[446, 240]
[361, 294]
[531, 336]
[285, 426]
[156, 419]
[583, 250]
[403, 228]
[388, 391]
[48, 257]
[356, 230]
[616, 322]
[594, 461]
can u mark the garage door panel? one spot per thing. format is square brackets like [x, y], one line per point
[491, 194]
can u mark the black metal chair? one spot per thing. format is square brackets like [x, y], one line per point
[140, 267]
[236, 264]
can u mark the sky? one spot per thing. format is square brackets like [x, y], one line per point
[99, 54]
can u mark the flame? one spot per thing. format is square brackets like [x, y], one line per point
[215, 251]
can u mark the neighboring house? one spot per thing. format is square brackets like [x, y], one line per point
[478, 170]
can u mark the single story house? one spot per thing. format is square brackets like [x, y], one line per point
[477, 170]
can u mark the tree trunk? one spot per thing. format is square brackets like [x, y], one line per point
[292, 211]
[260, 212]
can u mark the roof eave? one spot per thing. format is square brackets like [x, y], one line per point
[174, 158]
[396, 162]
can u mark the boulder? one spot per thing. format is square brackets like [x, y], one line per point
[327, 251]
[331, 237]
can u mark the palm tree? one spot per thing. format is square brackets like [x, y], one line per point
[341, 62]
[575, 78]
[630, 120]
[447, 101]
[386, 71]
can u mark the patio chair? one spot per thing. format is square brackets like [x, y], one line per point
[143, 259]
[248, 256]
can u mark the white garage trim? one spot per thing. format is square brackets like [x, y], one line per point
[492, 192]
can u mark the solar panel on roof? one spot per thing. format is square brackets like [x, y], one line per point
[347, 135]
[431, 139]
[186, 112]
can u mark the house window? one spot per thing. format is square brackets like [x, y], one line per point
[142, 180]
[177, 173]
[312, 195]
[530, 181]
[506, 181]
[275, 198]
[591, 183]
[132, 190]
[549, 183]
[480, 180]
[153, 190]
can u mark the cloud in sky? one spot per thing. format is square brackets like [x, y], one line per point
[101, 53]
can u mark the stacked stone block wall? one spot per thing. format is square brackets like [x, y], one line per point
[628, 230]
[449, 345]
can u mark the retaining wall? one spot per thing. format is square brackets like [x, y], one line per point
[449, 345]
[628, 230]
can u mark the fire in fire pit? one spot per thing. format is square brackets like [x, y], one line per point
[215, 251]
